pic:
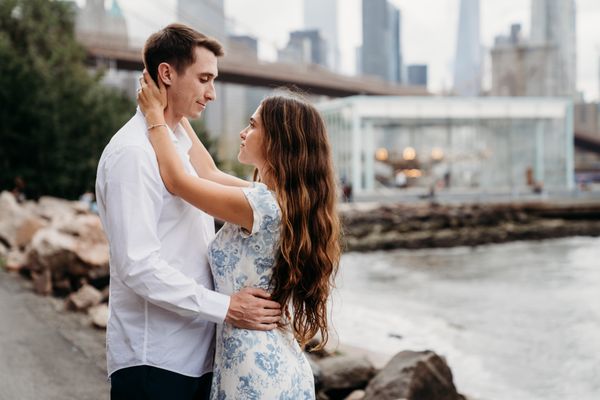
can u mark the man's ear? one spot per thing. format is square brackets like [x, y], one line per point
[166, 73]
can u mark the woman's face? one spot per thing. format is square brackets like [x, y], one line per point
[252, 150]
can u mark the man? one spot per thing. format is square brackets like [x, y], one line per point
[162, 307]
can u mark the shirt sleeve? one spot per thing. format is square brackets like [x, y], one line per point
[265, 211]
[133, 196]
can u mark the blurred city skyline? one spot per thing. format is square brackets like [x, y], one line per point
[271, 21]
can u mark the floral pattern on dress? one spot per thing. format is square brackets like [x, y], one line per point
[254, 364]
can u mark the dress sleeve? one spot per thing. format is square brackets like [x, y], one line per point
[265, 210]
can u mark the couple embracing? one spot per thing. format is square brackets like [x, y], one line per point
[194, 315]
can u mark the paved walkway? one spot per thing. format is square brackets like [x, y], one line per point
[45, 352]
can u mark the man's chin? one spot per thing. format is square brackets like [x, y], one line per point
[194, 115]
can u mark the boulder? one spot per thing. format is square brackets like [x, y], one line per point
[313, 344]
[59, 210]
[51, 250]
[316, 370]
[99, 315]
[87, 296]
[15, 260]
[413, 375]
[341, 375]
[42, 282]
[91, 246]
[17, 224]
[105, 293]
[71, 249]
[27, 230]
[356, 395]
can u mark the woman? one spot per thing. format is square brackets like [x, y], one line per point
[281, 235]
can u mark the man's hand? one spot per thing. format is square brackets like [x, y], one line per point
[250, 309]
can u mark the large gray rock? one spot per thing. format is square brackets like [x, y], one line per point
[341, 375]
[316, 370]
[413, 375]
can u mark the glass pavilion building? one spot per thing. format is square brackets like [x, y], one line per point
[483, 144]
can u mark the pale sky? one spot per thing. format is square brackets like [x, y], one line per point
[429, 29]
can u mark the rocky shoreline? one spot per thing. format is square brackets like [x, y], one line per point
[408, 375]
[369, 227]
[60, 246]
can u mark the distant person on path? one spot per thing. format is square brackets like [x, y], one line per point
[346, 191]
[281, 234]
[163, 309]
[19, 189]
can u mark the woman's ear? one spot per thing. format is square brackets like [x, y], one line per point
[165, 73]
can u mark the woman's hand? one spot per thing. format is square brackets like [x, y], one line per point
[152, 99]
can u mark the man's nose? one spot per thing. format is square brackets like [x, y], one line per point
[243, 134]
[211, 93]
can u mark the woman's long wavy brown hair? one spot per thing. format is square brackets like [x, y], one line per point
[298, 161]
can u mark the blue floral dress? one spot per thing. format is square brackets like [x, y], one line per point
[254, 365]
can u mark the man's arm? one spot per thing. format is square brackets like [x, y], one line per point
[133, 195]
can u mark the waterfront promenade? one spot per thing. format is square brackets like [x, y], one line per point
[47, 353]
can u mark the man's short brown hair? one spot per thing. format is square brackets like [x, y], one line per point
[176, 44]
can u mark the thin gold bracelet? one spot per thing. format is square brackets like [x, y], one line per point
[156, 126]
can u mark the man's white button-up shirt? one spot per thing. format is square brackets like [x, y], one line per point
[162, 307]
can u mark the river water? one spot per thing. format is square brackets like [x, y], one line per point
[516, 321]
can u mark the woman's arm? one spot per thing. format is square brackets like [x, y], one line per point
[204, 164]
[224, 202]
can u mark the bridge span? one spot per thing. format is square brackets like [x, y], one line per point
[237, 68]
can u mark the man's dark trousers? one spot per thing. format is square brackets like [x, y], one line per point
[144, 382]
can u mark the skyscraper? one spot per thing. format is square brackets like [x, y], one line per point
[381, 53]
[206, 16]
[304, 47]
[95, 24]
[553, 25]
[467, 65]
[417, 75]
[322, 15]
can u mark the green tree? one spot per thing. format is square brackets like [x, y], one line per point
[55, 115]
